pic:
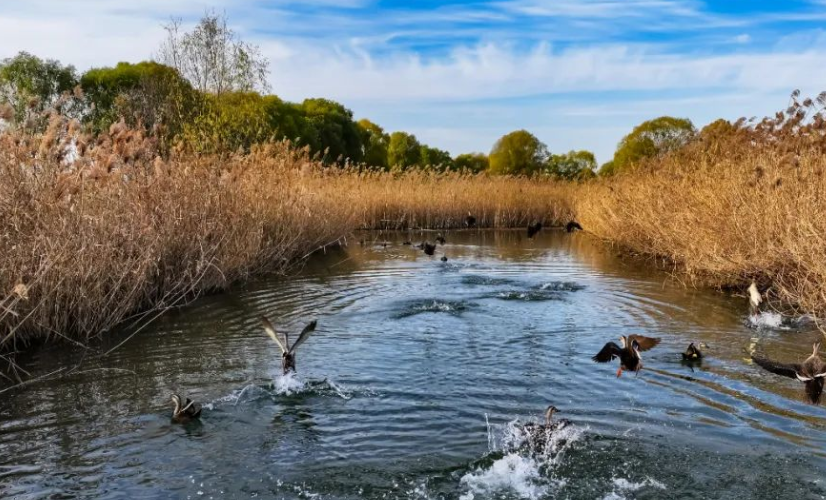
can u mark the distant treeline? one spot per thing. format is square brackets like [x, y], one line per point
[207, 93]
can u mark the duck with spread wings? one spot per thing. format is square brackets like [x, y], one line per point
[287, 350]
[628, 353]
[812, 371]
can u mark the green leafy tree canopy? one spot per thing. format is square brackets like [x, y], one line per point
[652, 138]
[518, 153]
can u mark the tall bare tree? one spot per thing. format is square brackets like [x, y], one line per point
[213, 57]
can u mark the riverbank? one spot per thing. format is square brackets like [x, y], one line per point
[95, 231]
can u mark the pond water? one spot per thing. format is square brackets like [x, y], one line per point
[416, 381]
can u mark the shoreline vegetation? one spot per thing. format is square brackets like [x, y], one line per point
[128, 190]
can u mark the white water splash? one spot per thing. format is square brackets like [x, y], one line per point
[288, 384]
[766, 319]
[623, 486]
[512, 472]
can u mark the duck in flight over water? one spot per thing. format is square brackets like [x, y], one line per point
[287, 350]
[628, 353]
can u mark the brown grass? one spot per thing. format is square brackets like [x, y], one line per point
[740, 203]
[89, 241]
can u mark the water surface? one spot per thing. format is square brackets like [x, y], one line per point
[415, 383]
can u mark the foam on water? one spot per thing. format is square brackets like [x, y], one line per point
[513, 472]
[433, 306]
[621, 486]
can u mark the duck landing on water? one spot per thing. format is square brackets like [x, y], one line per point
[536, 435]
[185, 410]
[287, 350]
[811, 371]
[628, 354]
[534, 228]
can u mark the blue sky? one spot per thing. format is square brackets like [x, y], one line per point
[577, 73]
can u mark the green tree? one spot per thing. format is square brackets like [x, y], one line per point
[229, 122]
[336, 131]
[31, 85]
[652, 138]
[145, 94]
[518, 153]
[403, 150]
[471, 162]
[374, 144]
[607, 168]
[438, 159]
[573, 165]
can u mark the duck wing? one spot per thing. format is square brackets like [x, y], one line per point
[310, 328]
[608, 352]
[272, 333]
[783, 369]
[645, 343]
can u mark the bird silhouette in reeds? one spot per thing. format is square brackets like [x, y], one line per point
[470, 220]
[534, 228]
[628, 353]
[573, 226]
[185, 410]
[287, 350]
[811, 371]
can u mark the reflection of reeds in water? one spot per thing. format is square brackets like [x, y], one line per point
[94, 229]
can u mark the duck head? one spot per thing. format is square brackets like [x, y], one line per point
[549, 414]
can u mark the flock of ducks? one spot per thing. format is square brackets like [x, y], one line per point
[811, 371]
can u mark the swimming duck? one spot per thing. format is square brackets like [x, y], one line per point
[287, 350]
[428, 248]
[534, 228]
[572, 226]
[470, 220]
[444, 258]
[185, 411]
[811, 371]
[440, 239]
[754, 298]
[536, 435]
[629, 353]
[693, 353]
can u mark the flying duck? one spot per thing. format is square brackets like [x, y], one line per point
[287, 350]
[629, 353]
[811, 371]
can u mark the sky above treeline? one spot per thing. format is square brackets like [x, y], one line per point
[579, 74]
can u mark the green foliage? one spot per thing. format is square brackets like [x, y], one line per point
[374, 144]
[335, 130]
[652, 138]
[403, 150]
[471, 162]
[229, 122]
[145, 94]
[435, 158]
[574, 165]
[30, 85]
[518, 153]
[607, 169]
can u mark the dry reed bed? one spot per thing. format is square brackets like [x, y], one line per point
[724, 219]
[95, 230]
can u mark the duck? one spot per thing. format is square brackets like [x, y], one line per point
[428, 248]
[534, 228]
[185, 409]
[470, 220]
[811, 371]
[693, 353]
[407, 243]
[755, 299]
[536, 435]
[572, 226]
[440, 239]
[287, 350]
[629, 353]
[444, 258]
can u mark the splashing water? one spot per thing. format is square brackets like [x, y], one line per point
[512, 472]
[623, 486]
[434, 306]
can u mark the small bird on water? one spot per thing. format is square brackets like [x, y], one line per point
[755, 299]
[628, 354]
[811, 371]
[444, 258]
[287, 350]
[572, 226]
[185, 409]
[693, 353]
[428, 248]
[537, 434]
[534, 228]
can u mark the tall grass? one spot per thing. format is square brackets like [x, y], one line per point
[94, 230]
[741, 202]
